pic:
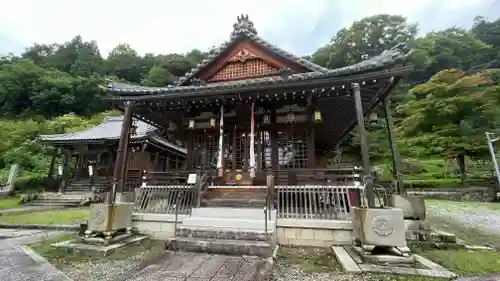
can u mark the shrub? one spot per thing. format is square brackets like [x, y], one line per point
[433, 183]
[29, 184]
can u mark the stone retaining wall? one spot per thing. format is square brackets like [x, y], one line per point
[157, 226]
[315, 233]
[291, 232]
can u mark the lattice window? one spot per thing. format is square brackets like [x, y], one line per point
[292, 149]
[240, 148]
[248, 68]
[266, 150]
[205, 144]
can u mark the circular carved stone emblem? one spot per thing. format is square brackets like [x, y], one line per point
[99, 217]
[382, 225]
[238, 177]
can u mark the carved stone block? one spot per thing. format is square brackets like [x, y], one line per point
[109, 218]
[379, 227]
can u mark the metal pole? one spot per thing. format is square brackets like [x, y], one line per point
[493, 156]
[396, 158]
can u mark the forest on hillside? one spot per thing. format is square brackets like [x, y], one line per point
[441, 111]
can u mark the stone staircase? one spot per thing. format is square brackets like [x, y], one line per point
[236, 198]
[72, 196]
[230, 231]
[55, 199]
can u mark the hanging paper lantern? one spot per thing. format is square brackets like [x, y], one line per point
[317, 116]
[212, 122]
[191, 124]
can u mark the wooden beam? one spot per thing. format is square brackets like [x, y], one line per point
[370, 193]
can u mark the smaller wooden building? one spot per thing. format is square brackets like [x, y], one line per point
[149, 150]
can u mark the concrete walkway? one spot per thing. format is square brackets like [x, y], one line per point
[18, 263]
[28, 209]
[180, 266]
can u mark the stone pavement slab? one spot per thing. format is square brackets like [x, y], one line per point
[18, 263]
[181, 266]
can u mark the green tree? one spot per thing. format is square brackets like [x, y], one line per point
[158, 77]
[124, 63]
[367, 37]
[450, 114]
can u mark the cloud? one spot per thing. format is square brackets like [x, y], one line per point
[161, 26]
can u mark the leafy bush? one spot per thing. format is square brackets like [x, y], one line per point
[29, 183]
[433, 183]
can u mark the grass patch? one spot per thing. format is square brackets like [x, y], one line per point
[310, 260]
[63, 216]
[61, 257]
[466, 263]
[493, 206]
[471, 236]
[9, 203]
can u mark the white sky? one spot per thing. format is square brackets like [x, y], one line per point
[165, 26]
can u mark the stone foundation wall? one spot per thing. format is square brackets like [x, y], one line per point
[290, 232]
[314, 233]
[157, 226]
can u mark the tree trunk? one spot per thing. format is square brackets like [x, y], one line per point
[462, 169]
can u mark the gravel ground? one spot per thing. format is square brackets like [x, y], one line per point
[478, 215]
[286, 272]
[119, 265]
[100, 270]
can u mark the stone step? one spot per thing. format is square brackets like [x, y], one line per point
[228, 224]
[221, 246]
[50, 203]
[228, 234]
[231, 213]
[61, 198]
[234, 203]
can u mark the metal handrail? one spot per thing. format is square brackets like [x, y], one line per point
[269, 204]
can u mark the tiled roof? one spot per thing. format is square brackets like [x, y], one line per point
[110, 129]
[246, 33]
[388, 58]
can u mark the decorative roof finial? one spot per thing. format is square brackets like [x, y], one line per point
[243, 24]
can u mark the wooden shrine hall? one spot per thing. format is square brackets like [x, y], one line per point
[251, 109]
[97, 146]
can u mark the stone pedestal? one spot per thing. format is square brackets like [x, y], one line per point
[108, 219]
[413, 207]
[380, 228]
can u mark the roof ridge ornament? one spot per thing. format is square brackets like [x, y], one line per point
[242, 25]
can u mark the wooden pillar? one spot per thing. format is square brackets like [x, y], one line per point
[234, 148]
[259, 148]
[311, 145]
[191, 152]
[50, 173]
[67, 155]
[246, 146]
[396, 158]
[274, 141]
[121, 153]
[157, 159]
[368, 178]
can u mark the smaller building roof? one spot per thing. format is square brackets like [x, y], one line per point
[110, 129]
